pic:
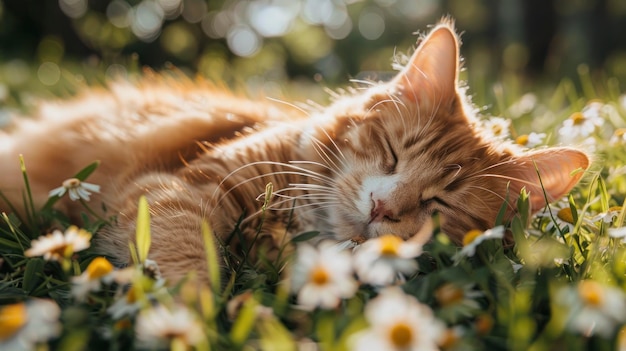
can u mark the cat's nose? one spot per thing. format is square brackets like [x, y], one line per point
[381, 213]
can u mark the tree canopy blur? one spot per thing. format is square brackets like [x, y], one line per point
[269, 41]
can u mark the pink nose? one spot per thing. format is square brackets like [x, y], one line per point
[380, 212]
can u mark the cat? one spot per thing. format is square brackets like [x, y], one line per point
[378, 159]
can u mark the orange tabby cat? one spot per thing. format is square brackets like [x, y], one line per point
[380, 160]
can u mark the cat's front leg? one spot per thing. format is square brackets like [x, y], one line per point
[176, 215]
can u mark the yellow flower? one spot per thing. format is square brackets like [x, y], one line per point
[12, 318]
[91, 279]
[58, 246]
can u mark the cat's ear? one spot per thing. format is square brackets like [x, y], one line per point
[432, 72]
[560, 168]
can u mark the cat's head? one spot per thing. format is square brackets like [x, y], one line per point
[412, 146]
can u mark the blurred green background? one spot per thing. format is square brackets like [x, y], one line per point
[53, 46]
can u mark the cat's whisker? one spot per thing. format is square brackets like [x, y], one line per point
[300, 196]
[314, 163]
[500, 176]
[311, 206]
[309, 186]
[319, 150]
[303, 110]
[299, 171]
[316, 204]
[499, 196]
[364, 82]
[495, 165]
[339, 155]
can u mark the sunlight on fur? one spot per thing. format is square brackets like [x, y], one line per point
[378, 160]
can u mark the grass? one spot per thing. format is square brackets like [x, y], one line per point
[567, 267]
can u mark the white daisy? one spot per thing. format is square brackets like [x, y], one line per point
[160, 326]
[380, 261]
[618, 233]
[76, 188]
[126, 304]
[582, 124]
[457, 302]
[497, 128]
[593, 308]
[608, 216]
[619, 137]
[58, 245]
[475, 237]
[322, 275]
[450, 294]
[398, 322]
[23, 325]
[559, 216]
[530, 140]
[91, 279]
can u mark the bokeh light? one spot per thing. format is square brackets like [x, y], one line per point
[313, 40]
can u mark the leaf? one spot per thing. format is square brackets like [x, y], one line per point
[274, 335]
[212, 260]
[143, 229]
[503, 208]
[28, 196]
[305, 236]
[86, 172]
[31, 278]
[244, 323]
[523, 206]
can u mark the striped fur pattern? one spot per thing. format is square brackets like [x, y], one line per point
[381, 159]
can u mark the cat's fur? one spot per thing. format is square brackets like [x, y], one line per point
[380, 160]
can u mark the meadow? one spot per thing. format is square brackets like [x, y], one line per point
[562, 285]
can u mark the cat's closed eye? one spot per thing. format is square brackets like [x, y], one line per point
[433, 201]
[390, 162]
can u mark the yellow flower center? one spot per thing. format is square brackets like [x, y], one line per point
[619, 132]
[12, 318]
[566, 215]
[578, 118]
[389, 245]
[615, 209]
[131, 295]
[319, 276]
[449, 339]
[71, 183]
[401, 335]
[591, 293]
[483, 324]
[449, 294]
[496, 129]
[471, 236]
[621, 338]
[59, 252]
[522, 139]
[123, 324]
[98, 268]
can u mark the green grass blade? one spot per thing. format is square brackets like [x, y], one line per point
[212, 256]
[143, 229]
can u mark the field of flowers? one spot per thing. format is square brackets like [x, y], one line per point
[562, 286]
